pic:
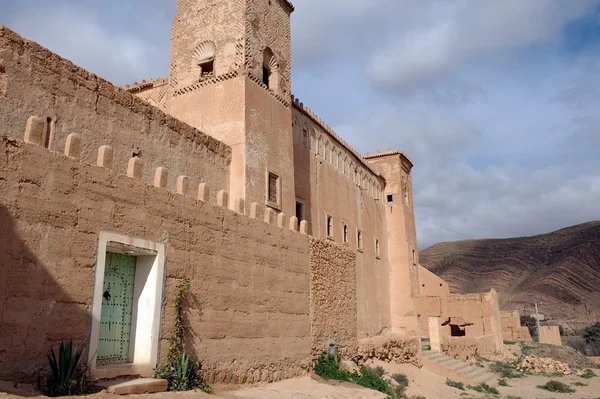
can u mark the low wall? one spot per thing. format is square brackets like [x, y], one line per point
[549, 335]
[463, 348]
[249, 307]
[511, 327]
[471, 316]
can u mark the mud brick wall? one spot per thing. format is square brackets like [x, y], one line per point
[249, 306]
[333, 297]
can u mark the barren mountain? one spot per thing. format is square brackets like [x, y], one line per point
[559, 269]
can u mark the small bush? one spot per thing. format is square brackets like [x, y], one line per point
[485, 388]
[503, 383]
[426, 347]
[587, 374]
[556, 386]
[401, 379]
[481, 358]
[580, 384]
[509, 342]
[370, 378]
[455, 384]
[328, 368]
[182, 374]
[525, 348]
[506, 370]
[513, 397]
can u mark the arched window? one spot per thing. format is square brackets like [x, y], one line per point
[203, 60]
[270, 72]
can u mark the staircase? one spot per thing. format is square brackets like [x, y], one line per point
[456, 370]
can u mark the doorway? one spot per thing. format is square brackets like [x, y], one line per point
[126, 309]
[117, 306]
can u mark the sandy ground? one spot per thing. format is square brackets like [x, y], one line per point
[422, 382]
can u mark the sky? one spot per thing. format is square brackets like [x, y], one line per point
[497, 103]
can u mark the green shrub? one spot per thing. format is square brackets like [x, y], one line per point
[426, 347]
[485, 388]
[401, 379]
[181, 371]
[506, 370]
[580, 384]
[371, 378]
[556, 386]
[502, 383]
[587, 374]
[455, 384]
[513, 397]
[68, 376]
[327, 368]
[509, 342]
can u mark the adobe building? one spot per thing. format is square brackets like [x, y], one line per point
[291, 239]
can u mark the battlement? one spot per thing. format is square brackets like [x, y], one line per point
[315, 118]
[389, 153]
[138, 87]
[138, 169]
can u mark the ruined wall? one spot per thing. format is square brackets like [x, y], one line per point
[333, 297]
[250, 306]
[432, 285]
[476, 315]
[76, 101]
[331, 180]
[512, 329]
[549, 335]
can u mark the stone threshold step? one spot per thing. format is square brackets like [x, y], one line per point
[135, 386]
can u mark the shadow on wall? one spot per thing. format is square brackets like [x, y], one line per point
[35, 312]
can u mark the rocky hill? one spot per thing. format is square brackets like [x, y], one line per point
[560, 269]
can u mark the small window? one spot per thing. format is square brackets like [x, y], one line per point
[265, 75]
[414, 257]
[390, 199]
[300, 211]
[359, 240]
[329, 226]
[273, 189]
[345, 233]
[377, 248]
[48, 132]
[207, 68]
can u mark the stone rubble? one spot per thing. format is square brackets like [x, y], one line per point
[545, 365]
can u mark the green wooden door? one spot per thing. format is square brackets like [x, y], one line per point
[117, 302]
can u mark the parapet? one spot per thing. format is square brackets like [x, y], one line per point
[315, 118]
[135, 170]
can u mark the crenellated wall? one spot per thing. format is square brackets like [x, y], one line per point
[72, 100]
[251, 279]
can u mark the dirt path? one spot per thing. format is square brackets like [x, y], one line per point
[422, 383]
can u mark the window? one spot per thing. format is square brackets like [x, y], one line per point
[377, 248]
[207, 68]
[48, 132]
[270, 75]
[329, 227]
[359, 240]
[265, 75]
[345, 230]
[390, 199]
[273, 190]
[414, 257]
[300, 211]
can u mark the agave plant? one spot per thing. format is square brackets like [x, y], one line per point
[64, 369]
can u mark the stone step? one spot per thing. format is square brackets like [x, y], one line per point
[135, 386]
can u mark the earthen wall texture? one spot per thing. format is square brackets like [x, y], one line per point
[550, 335]
[249, 307]
[511, 327]
[326, 186]
[432, 285]
[333, 297]
[473, 311]
[41, 83]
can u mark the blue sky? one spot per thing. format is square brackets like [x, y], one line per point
[497, 103]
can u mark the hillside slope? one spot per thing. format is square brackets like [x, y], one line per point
[560, 269]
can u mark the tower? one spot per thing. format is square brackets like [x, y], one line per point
[230, 77]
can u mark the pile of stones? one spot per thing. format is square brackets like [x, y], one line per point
[544, 365]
